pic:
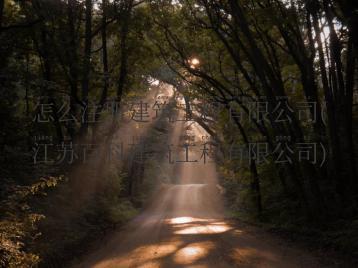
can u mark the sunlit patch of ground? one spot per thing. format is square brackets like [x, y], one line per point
[189, 225]
[193, 252]
[152, 264]
[180, 220]
[144, 256]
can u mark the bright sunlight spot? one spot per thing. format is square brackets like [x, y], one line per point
[193, 252]
[194, 62]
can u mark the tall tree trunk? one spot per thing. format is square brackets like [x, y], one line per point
[123, 72]
[47, 74]
[73, 66]
[104, 92]
[255, 182]
[86, 66]
[1, 11]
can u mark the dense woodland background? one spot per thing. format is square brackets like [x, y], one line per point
[280, 53]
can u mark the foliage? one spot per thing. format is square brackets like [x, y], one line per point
[19, 224]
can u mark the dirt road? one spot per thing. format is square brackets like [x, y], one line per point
[186, 227]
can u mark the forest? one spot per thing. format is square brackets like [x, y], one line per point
[168, 126]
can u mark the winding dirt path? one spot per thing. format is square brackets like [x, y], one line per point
[186, 227]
